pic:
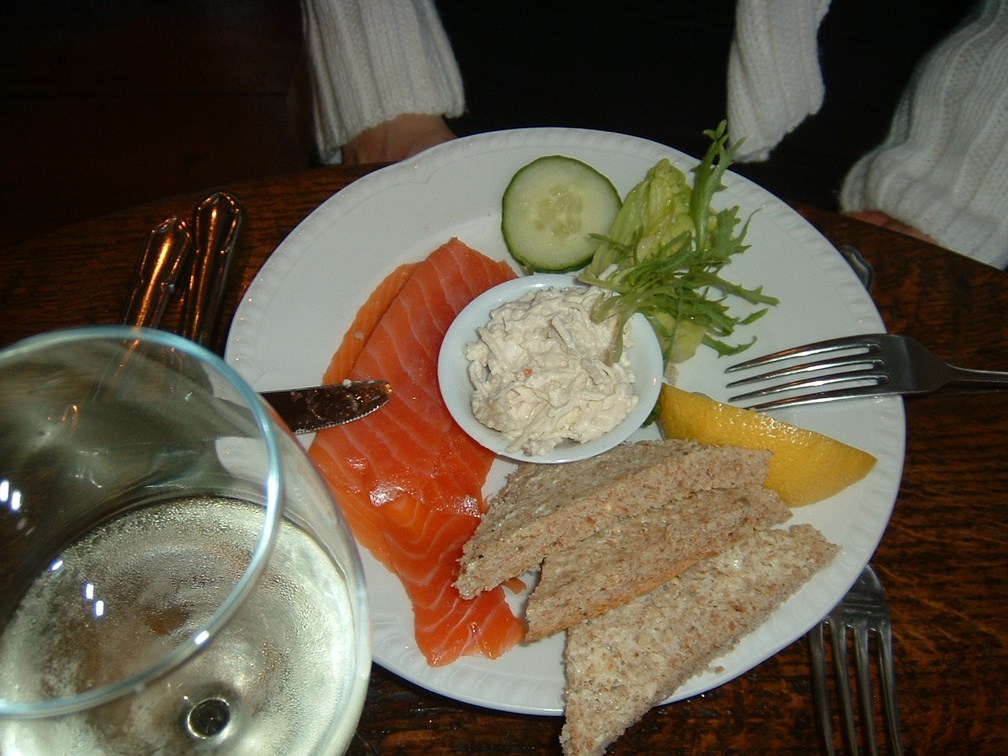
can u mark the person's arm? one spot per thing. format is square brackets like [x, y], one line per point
[943, 168]
[382, 76]
[774, 79]
[878, 218]
[397, 139]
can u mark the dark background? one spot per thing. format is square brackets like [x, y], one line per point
[657, 69]
[105, 104]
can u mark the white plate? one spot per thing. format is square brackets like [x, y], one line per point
[644, 355]
[299, 305]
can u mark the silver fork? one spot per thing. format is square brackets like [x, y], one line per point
[863, 610]
[865, 365]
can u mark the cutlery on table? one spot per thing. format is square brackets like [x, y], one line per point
[168, 253]
[217, 223]
[867, 365]
[863, 611]
[314, 408]
[861, 267]
[159, 267]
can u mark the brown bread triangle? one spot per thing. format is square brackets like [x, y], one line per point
[548, 507]
[630, 659]
[639, 553]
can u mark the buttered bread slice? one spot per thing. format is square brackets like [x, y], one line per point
[639, 553]
[543, 508]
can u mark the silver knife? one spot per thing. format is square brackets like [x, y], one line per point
[313, 408]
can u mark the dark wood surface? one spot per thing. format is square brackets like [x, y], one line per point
[943, 558]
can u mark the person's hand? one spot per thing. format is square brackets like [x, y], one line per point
[398, 139]
[878, 218]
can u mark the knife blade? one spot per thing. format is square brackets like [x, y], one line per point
[313, 408]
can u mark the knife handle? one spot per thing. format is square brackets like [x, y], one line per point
[161, 262]
[218, 221]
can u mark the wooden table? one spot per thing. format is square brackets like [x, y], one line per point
[943, 559]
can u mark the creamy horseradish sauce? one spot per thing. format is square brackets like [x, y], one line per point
[540, 372]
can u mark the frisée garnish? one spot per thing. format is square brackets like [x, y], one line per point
[663, 256]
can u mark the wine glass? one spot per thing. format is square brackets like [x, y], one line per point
[177, 577]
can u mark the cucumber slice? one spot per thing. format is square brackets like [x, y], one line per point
[551, 208]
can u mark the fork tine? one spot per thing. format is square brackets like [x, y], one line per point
[838, 644]
[864, 686]
[809, 367]
[888, 677]
[820, 696]
[818, 397]
[864, 342]
[868, 374]
[864, 371]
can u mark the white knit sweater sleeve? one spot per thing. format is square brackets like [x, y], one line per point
[370, 61]
[774, 80]
[943, 168]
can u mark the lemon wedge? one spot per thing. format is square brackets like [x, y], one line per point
[806, 466]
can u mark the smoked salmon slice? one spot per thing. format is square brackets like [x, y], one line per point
[364, 323]
[408, 479]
